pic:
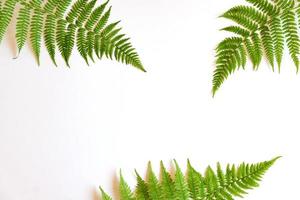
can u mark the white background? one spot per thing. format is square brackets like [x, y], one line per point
[64, 132]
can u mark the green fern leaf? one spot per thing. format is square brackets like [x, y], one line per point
[278, 39]
[49, 36]
[153, 185]
[36, 33]
[125, 191]
[61, 7]
[95, 16]
[141, 191]
[167, 184]
[264, 28]
[181, 187]
[195, 183]
[291, 34]
[103, 21]
[104, 195]
[268, 45]
[51, 5]
[257, 45]
[81, 44]
[220, 184]
[22, 27]
[76, 9]
[84, 14]
[62, 24]
[6, 15]
[69, 43]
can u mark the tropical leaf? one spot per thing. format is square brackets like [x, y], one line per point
[215, 184]
[263, 29]
[62, 24]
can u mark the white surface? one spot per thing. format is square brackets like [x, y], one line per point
[65, 131]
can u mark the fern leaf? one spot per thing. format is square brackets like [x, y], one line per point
[211, 181]
[90, 39]
[257, 45]
[242, 20]
[84, 14]
[237, 30]
[264, 27]
[81, 44]
[220, 184]
[268, 45]
[49, 36]
[36, 33]
[104, 195]
[63, 27]
[60, 36]
[61, 7]
[141, 191]
[291, 34]
[125, 191]
[265, 6]
[22, 27]
[103, 21]
[249, 12]
[278, 39]
[167, 184]
[181, 187]
[153, 185]
[51, 5]
[76, 9]
[6, 15]
[195, 183]
[95, 16]
[69, 43]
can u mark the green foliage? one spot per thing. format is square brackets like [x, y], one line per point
[262, 29]
[214, 185]
[62, 26]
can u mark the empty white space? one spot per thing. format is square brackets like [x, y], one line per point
[64, 132]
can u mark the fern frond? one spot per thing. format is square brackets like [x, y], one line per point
[62, 25]
[264, 28]
[216, 184]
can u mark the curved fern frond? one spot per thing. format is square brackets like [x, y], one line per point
[264, 28]
[215, 184]
[62, 26]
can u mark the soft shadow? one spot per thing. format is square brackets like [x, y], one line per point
[115, 186]
[96, 195]
[11, 33]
